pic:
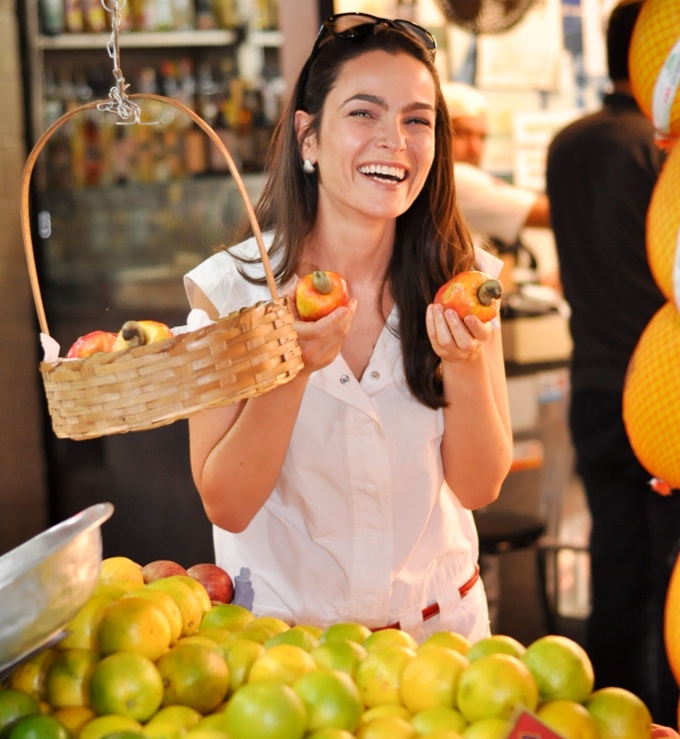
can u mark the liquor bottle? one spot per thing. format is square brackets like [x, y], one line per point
[95, 17]
[205, 15]
[52, 17]
[74, 20]
[184, 15]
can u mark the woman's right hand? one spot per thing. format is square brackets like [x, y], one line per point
[322, 340]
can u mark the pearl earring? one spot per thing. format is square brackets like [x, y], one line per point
[308, 166]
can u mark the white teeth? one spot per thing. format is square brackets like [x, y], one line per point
[396, 173]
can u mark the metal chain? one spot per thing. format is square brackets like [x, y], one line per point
[119, 103]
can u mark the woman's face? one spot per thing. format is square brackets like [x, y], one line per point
[376, 143]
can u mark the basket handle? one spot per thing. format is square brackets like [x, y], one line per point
[42, 141]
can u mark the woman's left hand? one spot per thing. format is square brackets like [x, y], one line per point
[454, 339]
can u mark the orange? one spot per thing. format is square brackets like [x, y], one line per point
[30, 675]
[561, 668]
[214, 633]
[197, 639]
[74, 718]
[284, 663]
[199, 590]
[102, 726]
[331, 699]
[438, 719]
[386, 727]
[134, 625]
[266, 710]
[296, 635]
[240, 654]
[214, 721]
[330, 734]
[619, 714]
[14, 704]
[162, 730]
[262, 628]
[341, 654]
[496, 643]
[390, 636]
[67, 682]
[345, 630]
[126, 684]
[115, 569]
[82, 628]
[315, 631]
[182, 717]
[672, 622]
[386, 709]
[431, 678]
[187, 600]
[167, 605]
[493, 686]
[230, 616]
[379, 674]
[39, 727]
[569, 719]
[194, 675]
[447, 639]
[651, 396]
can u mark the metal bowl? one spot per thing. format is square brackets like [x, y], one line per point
[45, 581]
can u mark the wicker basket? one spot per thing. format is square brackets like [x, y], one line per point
[242, 355]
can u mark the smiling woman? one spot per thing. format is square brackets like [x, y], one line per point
[347, 493]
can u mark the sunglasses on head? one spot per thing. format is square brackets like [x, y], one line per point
[359, 25]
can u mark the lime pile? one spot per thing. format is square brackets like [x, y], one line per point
[160, 660]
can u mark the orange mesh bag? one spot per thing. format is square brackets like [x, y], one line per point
[244, 354]
[654, 64]
[651, 397]
[663, 229]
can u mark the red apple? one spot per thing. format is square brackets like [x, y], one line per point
[160, 568]
[89, 344]
[319, 293]
[215, 580]
[472, 292]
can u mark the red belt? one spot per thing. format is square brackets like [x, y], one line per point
[433, 610]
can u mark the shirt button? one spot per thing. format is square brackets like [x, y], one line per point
[375, 375]
[344, 379]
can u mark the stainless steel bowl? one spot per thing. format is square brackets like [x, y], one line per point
[45, 581]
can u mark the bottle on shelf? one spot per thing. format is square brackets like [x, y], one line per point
[205, 15]
[52, 17]
[74, 21]
[95, 17]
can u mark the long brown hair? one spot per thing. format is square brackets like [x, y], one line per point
[432, 242]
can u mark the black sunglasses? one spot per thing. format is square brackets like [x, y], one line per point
[359, 25]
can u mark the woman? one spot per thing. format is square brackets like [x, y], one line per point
[347, 492]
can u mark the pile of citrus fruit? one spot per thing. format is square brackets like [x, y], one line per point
[160, 660]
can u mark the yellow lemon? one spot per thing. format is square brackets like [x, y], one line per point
[284, 663]
[194, 675]
[449, 639]
[331, 699]
[431, 678]
[496, 643]
[75, 718]
[390, 636]
[167, 605]
[134, 625]
[183, 717]
[228, 616]
[82, 628]
[386, 727]
[561, 668]
[266, 710]
[569, 719]
[330, 734]
[67, 682]
[214, 633]
[493, 686]
[120, 569]
[438, 719]
[345, 630]
[487, 728]
[126, 684]
[162, 730]
[315, 631]
[340, 654]
[378, 675]
[386, 709]
[199, 590]
[186, 599]
[240, 655]
[30, 675]
[619, 714]
[101, 726]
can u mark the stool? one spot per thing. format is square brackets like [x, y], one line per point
[503, 531]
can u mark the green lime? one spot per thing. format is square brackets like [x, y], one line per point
[15, 704]
[39, 727]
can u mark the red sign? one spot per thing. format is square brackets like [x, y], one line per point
[527, 726]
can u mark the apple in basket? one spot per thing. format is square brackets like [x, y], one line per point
[319, 293]
[92, 343]
[139, 333]
[471, 293]
[215, 580]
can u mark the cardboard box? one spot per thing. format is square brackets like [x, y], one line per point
[536, 339]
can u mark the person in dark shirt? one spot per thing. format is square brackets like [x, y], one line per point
[601, 171]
